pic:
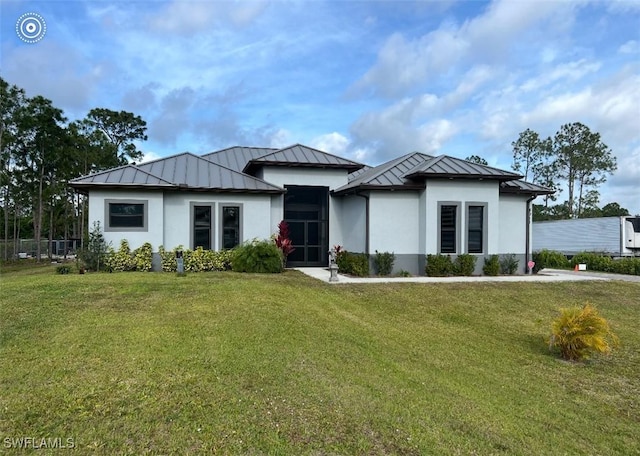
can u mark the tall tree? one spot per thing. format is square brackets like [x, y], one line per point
[121, 130]
[613, 210]
[583, 161]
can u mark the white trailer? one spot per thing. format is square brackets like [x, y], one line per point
[615, 236]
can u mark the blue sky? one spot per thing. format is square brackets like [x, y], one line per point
[368, 80]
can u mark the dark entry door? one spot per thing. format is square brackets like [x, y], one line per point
[306, 210]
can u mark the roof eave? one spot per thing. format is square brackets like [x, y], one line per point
[392, 188]
[421, 175]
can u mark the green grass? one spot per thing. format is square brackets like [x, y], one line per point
[136, 363]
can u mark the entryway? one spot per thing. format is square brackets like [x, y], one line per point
[306, 210]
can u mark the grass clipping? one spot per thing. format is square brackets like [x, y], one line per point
[580, 332]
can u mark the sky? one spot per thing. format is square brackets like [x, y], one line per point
[366, 80]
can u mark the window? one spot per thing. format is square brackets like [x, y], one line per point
[202, 227]
[448, 228]
[475, 229]
[126, 215]
[230, 226]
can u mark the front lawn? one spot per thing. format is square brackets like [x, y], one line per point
[136, 363]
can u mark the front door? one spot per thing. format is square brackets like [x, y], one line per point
[306, 210]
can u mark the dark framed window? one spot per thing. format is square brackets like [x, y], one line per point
[126, 215]
[448, 228]
[230, 221]
[202, 227]
[475, 229]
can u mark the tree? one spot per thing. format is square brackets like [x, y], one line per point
[120, 129]
[477, 159]
[582, 160]
[613, 210]
[533, 159]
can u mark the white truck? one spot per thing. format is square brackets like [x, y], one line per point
[615, 236]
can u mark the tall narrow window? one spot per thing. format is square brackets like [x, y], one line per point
[202, 227]
[475, 229]
[230, 226]
[448, 222]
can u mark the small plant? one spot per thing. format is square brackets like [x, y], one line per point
[257, 256]
[403, 273]
[94, 253]
[491, 266]
[383, 262]
[283, 241]
[142, 257]
[580, 332]
[438, 266]
[121, 260]
[63, 269]
[508, 264]
[464, 265]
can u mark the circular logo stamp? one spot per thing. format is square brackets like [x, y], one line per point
[31, 27]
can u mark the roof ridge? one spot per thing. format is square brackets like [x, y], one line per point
[238, 147]
[121, 167]
[312, 148]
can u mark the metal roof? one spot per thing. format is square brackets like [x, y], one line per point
[237, 157]
[358, 172]
[303, 156]
[520, 186]
[451, 167]
[389, 175]
[183, 171]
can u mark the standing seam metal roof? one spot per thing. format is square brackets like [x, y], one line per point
[237, 157]
[445, 166]
[300, 155]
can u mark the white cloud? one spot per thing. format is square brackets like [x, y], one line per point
[630, 47]
[564, 72]
[334, 143]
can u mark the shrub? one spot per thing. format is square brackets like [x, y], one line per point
[626, 266]
[438, 265]
[383, 262]
[464, 264]
[508, 264]
[594, 261]
[196, 260]
[168, 258]
[121, 260]
[283, 241]
[64, 269]
[579, 332]
[142, 257]
[257, 256]
[403, 273]
[549, 259]
[356, 264]
[491, 266]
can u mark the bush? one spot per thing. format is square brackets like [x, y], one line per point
[438, 266]
[383, 262]
[579, 332]
[491, 266]
[594, 261]
[356, 264]
[195, 260]
[121, 260]
[64, 269]
[464, 264]
[168, 258]
[257, 256]
[508, 264]
[549, 259]
[142, 257]
[626, 266]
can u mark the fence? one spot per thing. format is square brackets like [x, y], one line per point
[27, 248]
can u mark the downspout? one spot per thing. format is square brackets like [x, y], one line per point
[366, 228]
[527, 235]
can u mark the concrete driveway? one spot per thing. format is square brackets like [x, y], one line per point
[546, 275]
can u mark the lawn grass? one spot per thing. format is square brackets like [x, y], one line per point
[152, 363]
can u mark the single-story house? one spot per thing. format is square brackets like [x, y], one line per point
[412, 206]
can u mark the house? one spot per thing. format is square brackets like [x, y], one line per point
[413, 205]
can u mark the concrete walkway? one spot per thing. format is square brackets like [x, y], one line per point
[546, 275]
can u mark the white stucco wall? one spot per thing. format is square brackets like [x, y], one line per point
[513, 223]
[394, 222]
[463, 192]
[352, 221]
[255, 218]
[155, 215]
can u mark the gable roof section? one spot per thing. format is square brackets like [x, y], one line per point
[301, 156]
[444, 166]
[184, 172]
[237, 157]
[388, 175]
[128, 176]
